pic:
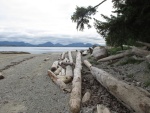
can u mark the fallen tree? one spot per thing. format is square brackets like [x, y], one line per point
[133, 51]
[75, 96]
[144, 43]
[63, 56]
[133, 98]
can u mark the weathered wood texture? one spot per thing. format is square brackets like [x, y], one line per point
[85, 53]
[75, 96]
[58, 70]
[63, 56]
[70, 56]
[134, 51]
[144, 43]
[58, 81]
[131, 96]
[54, 66]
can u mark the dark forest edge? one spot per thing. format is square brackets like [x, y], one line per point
[130, 24]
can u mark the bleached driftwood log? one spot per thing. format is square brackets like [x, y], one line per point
[75, 96]
[144, 43]
[66, 60]
[102, 109]
[58, 70]
[70, 57]
[63, 72]
[129, 95]
[86, 96]
[134, 51]
[69, 71]
[54, 66]
[99, 52]
[58, 81]
[85, 53]
[63, 56]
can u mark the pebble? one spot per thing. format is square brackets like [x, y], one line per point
[1, 76]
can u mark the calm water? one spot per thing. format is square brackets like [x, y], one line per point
[39, 50]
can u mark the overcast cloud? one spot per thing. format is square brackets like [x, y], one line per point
[39, 21]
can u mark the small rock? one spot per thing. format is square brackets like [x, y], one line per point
[138, 84]
[1, 76]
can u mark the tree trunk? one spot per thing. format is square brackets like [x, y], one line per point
[75, 96]
[144, 43]
[54, 66]
[134, 50]
[91, 50]
[70, 57]
[129, 95]
[57, 81]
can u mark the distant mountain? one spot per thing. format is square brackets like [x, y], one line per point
[7, 43]
[47, 44]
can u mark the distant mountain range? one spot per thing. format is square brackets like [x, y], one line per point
[47, 44]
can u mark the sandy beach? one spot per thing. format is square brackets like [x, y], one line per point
[27, 88]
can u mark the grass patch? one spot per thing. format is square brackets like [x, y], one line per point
[147, 83]
[130, 61]
[89, 57]
[115, 50]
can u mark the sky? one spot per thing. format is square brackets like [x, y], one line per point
[40, 21]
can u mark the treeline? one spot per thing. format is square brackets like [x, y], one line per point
[131, 23]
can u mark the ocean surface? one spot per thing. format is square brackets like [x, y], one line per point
[41, 50]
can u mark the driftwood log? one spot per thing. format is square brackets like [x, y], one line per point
[63, 72]
[63, 56]
[144, 43]
[54, 66]
[130, 96]
[85, 53]
[75, 96]
[69, 71]
[70, 57]
[133, 51]
[58, 70]
[58, 81]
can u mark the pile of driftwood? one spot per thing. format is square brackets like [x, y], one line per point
[62, 71]
[134, 98]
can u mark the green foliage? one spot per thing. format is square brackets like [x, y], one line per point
[147, 83]
[82, 16]
[115, 50]
[131, 61]
[131, 23]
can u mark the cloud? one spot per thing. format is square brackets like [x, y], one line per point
[38, 21]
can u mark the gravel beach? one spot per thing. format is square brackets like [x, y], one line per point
[26, 87]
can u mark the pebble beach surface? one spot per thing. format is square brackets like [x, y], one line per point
[26, 87]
